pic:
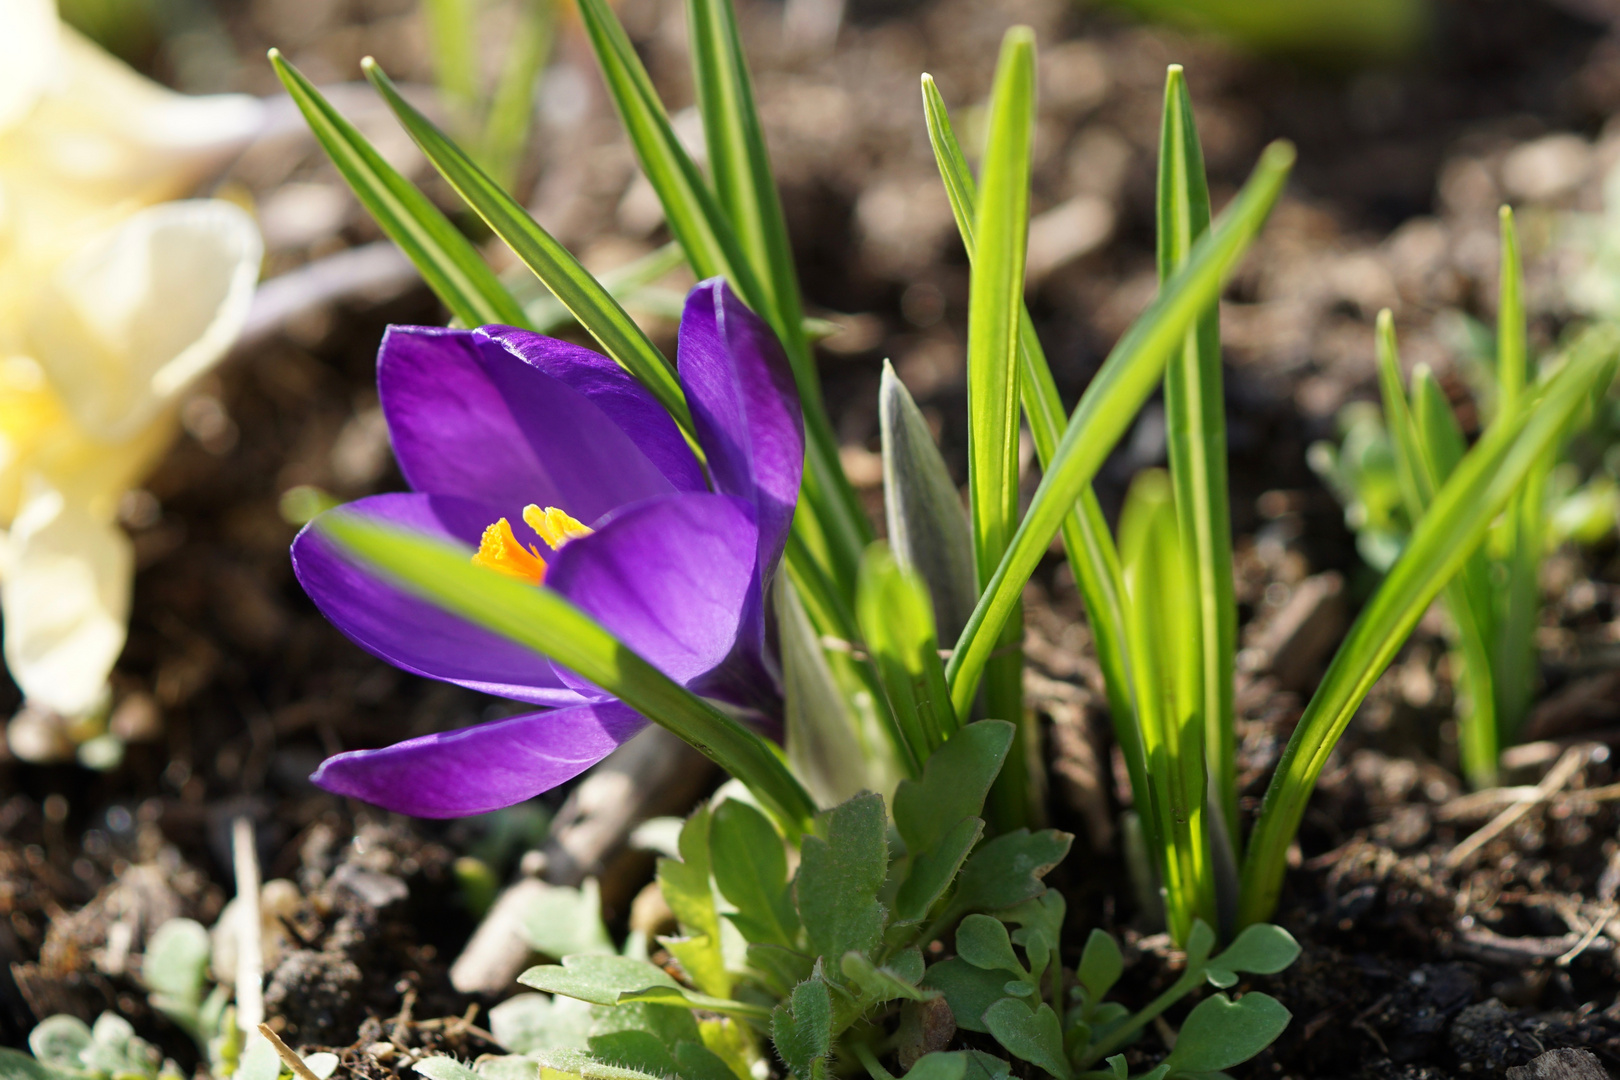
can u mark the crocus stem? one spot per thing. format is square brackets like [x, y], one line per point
[544, 621]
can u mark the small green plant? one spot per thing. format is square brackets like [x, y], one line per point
[175, 971]
[829, 964]
[1393, 461]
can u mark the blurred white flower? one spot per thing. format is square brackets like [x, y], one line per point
[110, 308]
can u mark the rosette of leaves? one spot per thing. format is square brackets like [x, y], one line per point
[825, 968]
[821, 963]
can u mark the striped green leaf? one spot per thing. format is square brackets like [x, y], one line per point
[1161, 619]
[1086, 539]
[1127, 377]
[447, 260]
[1195, 432]
[574, 286]
[996, 296]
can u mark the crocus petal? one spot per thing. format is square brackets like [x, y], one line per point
[64, 599]
[483, 767]
[607, 385]
[482, 424]
[669, 577]
[411, 633]
[745, 409]
[129, 322]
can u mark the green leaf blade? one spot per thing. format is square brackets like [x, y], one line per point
[1086, 539]
[1456, 521]
[1001, 229]
[1195, 423]
[1105, 410]
[842, 867]
[574, 286]
[447, 260]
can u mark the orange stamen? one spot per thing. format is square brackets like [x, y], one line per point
[555, 527]
[500, 551]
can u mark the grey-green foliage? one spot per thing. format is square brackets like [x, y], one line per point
[1018, 999]
[66, 1048]
[1394, 461]
[175, 971]
[821, 963]
[826, 956]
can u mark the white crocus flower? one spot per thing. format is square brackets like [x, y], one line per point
[110, 308]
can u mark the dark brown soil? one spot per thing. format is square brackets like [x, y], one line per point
[1412, 967]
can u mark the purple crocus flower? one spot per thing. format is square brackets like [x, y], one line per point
[559, 467]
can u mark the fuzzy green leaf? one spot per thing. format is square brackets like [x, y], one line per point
[750, 867]
[443, 1067]
[954, 784]
[1007, 870]
[843, 864]
[587, 1067]
[1261, 949]
[1220, 1032]
[600, 980]
[984, 943]
[1035, 1037]
[801, 1028]
[686, 888]
[879, 984]
[560, 921]
[1101, 965]
[968, 990]
[934, 868]
[61, 1040]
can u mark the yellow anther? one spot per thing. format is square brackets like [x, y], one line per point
[555, 527]
[500, 551]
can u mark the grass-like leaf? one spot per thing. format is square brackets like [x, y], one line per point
[831, 526]
[1483, 484]
[1514, 659]
[447, 260]
[1001, 229]
[1161, 620]
[452, 29]
[1126, 379]
[1086, 539]
[1195, 431]
[544, 621]
[574, 286]
[741, 168]
[1427, 449]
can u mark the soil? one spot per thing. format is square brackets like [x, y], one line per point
[1422, 957]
